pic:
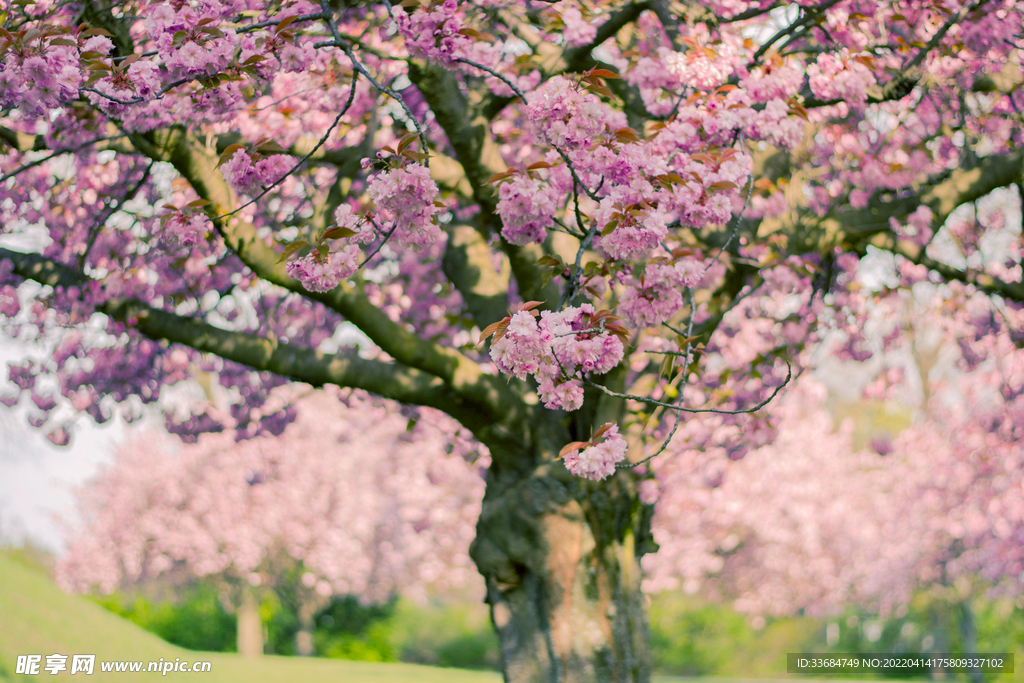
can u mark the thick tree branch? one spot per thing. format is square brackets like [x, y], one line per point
[853, 229]
[480, 160]
[259, 353]
[466, 134]
[199, 167]
[346, 159]
[467, 265]
[577, 58]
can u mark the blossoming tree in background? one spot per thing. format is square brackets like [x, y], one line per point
[358, 502]
[812, 524]
[566, 225]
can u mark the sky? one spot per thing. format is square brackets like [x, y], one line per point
[37, 479]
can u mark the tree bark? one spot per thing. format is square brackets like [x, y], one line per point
[250, 627]
[968, 635]
[560, 557]
[304, 645]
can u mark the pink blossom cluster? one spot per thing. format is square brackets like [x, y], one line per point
[578, 31]
[296, 58]
[778, 79]
[558, 350]
[715, 119]
[187, 50]
[634, 218]
[186, 229]
[840, 77]
[405, 196]
[247, 177]
[527, 207]
[45, 77]
[632, 236]
[9, 304]
[323, 272]
[141, 80]
[775, 124]
[344, 217]
[701, 67]
[598, 461]
[565, 115]
[434, 34]
[657, 294]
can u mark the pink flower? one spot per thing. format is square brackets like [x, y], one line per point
[598, 462]
[9, 304]
[657, 297]
[271, 169]
[563, 395]
[578, 31]
[840, 77]
[406, 196]
[240, 174]
[186, 230]
[322, 274]
[344, 218]
[296, 58]
[527, 209]
[564, 115]
[433, 34]
[522, 349]
[100, 44]
[633, 236]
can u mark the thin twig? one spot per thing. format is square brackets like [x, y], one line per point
[109, 210]
[33, 164]
[321, 143]
[497, 75]
[682, 387]
[735, 225]
[339, 41]
[139, 100]
[570, 290]
[380, 246]
[274, 22]
[670, 406]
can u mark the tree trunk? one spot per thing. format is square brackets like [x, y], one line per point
[250, 627]
[304, 646]
[969, 636]
[560, 556]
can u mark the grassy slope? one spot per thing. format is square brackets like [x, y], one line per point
[38, 618]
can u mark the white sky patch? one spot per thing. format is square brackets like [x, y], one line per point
[37, 479]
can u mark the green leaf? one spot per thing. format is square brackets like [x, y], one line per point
[229, 152]
[281, 25]
[570, 447]
[406, 140]
[608, 229]
[292, 249]
[338, 232]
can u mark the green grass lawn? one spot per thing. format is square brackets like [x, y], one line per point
[36, 617]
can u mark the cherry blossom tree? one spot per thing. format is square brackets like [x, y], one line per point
[351, 497]
[811, 523]
[668, 198]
